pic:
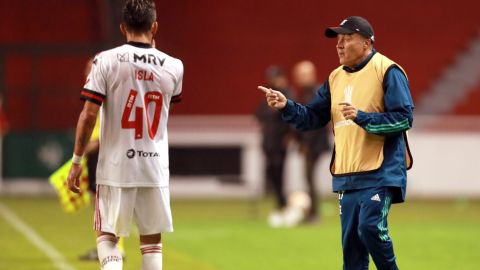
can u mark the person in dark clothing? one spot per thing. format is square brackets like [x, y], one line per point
[312, 143]
[276, 134]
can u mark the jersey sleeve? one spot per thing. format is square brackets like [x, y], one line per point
[96, 86]
[177, 93]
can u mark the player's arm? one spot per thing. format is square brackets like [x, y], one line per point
[309, 117]
[398, 116]
[93, 94]
[86, 123]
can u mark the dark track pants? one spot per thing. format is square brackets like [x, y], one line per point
[275, 164]
[363, 216]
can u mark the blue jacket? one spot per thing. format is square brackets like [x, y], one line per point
[392, 124]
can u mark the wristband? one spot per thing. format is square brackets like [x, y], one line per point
[76, 159]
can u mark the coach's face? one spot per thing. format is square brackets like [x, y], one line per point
[350, 49]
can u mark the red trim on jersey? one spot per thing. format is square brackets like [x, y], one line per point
[92, 96]
[176, 98]
[98, 220]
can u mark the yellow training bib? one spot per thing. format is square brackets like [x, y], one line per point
[356, 151]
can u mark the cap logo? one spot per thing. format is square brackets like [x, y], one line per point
[344, 21]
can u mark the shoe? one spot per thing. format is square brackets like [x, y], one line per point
[91, 255]
[293, 215]
[275, 219]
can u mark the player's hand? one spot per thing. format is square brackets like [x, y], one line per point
[74, 178]
[349, 110]
[275, 99]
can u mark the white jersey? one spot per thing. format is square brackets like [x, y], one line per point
[135, 85]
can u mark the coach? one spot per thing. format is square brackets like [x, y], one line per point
[368, 101]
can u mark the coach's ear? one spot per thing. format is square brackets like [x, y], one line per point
[122, 28]
[154, 28]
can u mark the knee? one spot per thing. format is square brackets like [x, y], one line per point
[367, 228]
[150, 239]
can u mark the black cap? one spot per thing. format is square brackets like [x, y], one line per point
[352, 25]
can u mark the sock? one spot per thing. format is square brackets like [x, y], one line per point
[108, 253]
[121, 247]
[151, 257]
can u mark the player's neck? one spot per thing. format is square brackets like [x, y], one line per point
[139, 38]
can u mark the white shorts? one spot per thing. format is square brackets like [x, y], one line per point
[149, 206]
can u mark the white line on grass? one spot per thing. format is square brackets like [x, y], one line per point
[56, 257]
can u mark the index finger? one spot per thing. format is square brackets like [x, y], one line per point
[345, 103]
[266, 90]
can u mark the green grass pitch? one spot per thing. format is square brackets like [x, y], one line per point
[233, 235]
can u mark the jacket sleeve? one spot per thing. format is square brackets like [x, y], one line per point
[398, 116]
[311, 116]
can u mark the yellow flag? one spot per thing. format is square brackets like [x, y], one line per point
[71, 202]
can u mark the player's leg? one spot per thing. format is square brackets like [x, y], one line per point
[109, 254]
[153, 216]
[275, 166]
[151, 249]
[310, 160]
[355, 254]
[92, 160]
[373, 227]
[113, 218]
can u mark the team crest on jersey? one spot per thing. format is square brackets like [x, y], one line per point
[122, 57]
[348, 91]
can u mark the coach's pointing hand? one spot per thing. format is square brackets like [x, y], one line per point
[74, 178]
[275, 99]
[349, 110]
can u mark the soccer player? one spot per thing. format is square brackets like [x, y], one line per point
[91, 153]
[136, 85]
[368, 101]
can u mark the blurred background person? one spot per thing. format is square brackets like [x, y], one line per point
[91, 153]
[276, 136]
[312, 143]
[3, 120]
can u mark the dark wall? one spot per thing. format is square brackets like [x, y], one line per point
[225, 47]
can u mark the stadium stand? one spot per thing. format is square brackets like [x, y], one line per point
[243, 44]
[225, 47]
[469, 104]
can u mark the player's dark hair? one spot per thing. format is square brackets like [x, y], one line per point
[139, 15]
